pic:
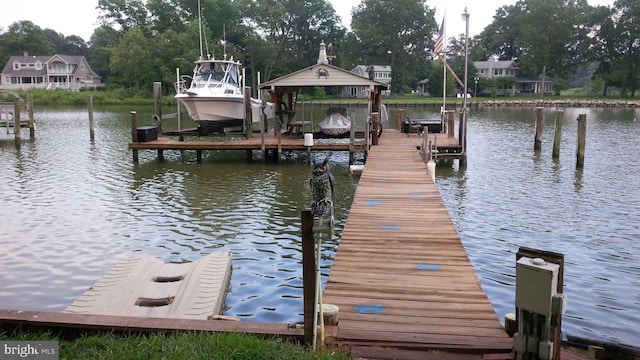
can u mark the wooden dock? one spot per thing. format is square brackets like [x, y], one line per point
[401, 277]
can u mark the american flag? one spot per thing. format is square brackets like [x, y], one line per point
[440, 40]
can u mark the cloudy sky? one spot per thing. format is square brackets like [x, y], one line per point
[77, 17]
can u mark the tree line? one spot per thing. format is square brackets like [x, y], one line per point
[139, 42]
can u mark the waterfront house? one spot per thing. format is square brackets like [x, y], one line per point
[69, 72]
[379, 73]
[494, 69]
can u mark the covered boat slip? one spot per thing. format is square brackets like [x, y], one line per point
[401, 277]
[143, 286]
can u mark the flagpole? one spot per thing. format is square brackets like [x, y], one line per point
[444, 67]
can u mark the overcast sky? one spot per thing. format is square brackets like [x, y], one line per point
[78, 17]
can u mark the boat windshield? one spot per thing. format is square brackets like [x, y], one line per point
[217, 72]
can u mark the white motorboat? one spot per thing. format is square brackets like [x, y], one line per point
[336, 122]
[214, 98]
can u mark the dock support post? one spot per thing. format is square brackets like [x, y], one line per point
[32, 123]
[134, 135]
[399, 119]
[375, 120]
[199, 156]
[462, 137]
[537, 144]
[17, 102]
[308, 274]
[557, 139]
[450, 119]
[582, 139]
[352, 139]
[91, 125]
[157, 101]
[279, 136]
[248, 112]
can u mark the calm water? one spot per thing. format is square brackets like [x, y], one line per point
[72, 207]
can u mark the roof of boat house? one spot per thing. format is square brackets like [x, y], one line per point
[321, 75]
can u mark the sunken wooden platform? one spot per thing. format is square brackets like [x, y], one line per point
[401, 277]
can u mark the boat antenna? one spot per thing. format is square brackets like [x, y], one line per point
[200, 27]
[224, 41]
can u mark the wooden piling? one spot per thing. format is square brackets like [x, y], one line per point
[17, 102]
[450, 121]
[32, 123]
[537, 144]
[557, 139]
[399, 119]
[582, 139]
[91, 125]
[308, 274]
[375, 123]
[134, 135]
[157, 102]
[248, 114]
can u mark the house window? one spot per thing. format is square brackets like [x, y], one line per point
[497, 72]
[16, 66]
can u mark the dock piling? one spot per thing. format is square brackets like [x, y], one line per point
[582, 139]
[134, 135]
[17, 102]
[308, 274]
[559, 119]
[157, 101]
[32, 123]
[537, 144]
[91, 124]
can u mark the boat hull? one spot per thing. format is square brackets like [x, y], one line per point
[213, 113]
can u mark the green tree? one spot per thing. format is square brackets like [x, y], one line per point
[545, 49]
[284, 36]
[397, 33]
[499, 37]
[24, 37]
[103, 40]
[124, 15]
[131, 61]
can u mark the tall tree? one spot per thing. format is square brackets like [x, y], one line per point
[131, 60]
[124, 15]
[24, 37]
[285, 34]
[397, 33]
[545, 33]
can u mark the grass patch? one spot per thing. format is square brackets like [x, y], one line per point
[189, 345]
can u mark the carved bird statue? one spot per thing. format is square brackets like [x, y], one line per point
[322, 186]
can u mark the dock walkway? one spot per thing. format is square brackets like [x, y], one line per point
[401, 277]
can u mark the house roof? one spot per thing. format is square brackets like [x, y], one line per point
[495, 64]
[320, 75]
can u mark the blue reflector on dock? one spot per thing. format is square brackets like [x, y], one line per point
[428, 267]
[414, 194]
[381, 180]
[391, 227]
[369, 309]
[373, 202]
